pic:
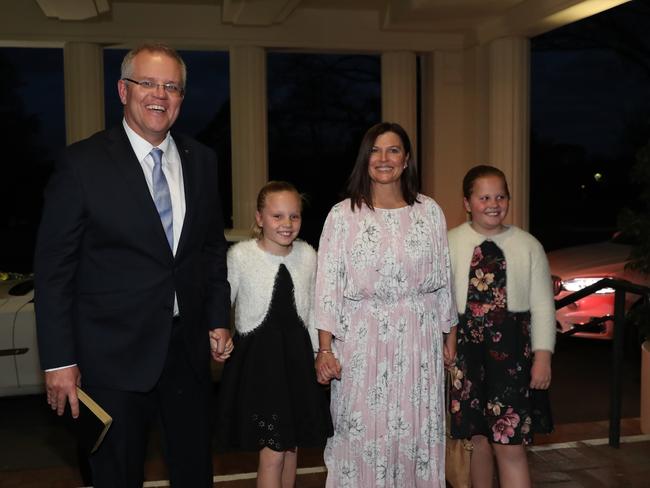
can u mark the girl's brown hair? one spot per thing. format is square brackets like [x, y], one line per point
[481, 171]
[272, 187]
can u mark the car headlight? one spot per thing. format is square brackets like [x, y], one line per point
[577, 284]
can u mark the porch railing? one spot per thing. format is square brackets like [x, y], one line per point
[621, 288]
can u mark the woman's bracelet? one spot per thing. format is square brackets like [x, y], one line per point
[325, 351]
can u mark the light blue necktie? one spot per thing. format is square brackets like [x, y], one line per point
[161, 196]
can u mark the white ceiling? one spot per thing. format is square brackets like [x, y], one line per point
[396, 14]
[321, 24]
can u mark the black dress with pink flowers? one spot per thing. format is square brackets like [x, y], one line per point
[490, 392]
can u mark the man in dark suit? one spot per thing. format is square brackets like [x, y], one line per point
[131, 282]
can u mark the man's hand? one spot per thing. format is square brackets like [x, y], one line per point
[61, 387]
[221, 344]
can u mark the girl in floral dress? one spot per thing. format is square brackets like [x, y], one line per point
[383, 301]
[506, 333]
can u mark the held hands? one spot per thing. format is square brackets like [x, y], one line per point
[221, 344]
[540, 373]
[449, 348]
[327, 367]
[61, 387]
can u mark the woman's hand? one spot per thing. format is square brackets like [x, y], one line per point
[540, 373]
[327, 367]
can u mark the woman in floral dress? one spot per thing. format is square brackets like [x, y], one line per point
[506, 333]
[383, 302]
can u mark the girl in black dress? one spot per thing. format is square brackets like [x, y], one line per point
[269, 399]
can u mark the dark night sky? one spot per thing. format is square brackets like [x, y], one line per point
[590, 79]
[585, 97]
[41, 74]
[590, 114]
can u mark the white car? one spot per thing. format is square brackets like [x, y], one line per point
[575, 268]
[20, 371]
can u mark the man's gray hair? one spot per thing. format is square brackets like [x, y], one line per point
[127, 62]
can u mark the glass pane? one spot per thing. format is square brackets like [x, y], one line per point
[589, 117]
[32, 131]
[320, 105]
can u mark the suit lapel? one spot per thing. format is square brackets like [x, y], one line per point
[191, 183]
[121, 153]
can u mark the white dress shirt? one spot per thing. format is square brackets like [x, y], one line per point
[173, 171]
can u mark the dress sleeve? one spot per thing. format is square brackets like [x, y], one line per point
[311, 321]
[542, 303]
[330, 275]
[445, 297]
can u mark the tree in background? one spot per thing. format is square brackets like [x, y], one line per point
[320, 105]
[634, 221]
[590, 107]
[25, 168]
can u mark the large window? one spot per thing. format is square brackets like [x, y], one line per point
[320, 105]
[32, 131]
[589, 116]
[205, 113]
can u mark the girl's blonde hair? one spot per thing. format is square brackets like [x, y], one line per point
[271, 187]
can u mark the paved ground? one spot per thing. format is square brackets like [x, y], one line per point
[36, 451]
[592, 464]
[581, 464]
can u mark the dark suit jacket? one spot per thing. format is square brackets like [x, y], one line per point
[105, 275]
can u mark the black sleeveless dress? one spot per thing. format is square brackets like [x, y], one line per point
[268, 395]
[490, 392]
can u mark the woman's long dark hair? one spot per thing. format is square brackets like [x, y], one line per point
[359, 187]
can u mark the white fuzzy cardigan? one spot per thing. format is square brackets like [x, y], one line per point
[251, 274]
[528, 279]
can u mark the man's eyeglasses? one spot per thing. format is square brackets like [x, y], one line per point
[171, 88]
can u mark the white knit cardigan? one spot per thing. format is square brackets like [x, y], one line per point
[251, 274]
[528, 279]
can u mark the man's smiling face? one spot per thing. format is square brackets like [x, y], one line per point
[151, 112]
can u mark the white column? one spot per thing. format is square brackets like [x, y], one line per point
[399, 91]
[445, 141]
[248, 119]
[509, 125]
[83, 67]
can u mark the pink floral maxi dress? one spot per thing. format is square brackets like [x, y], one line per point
[383, 290]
